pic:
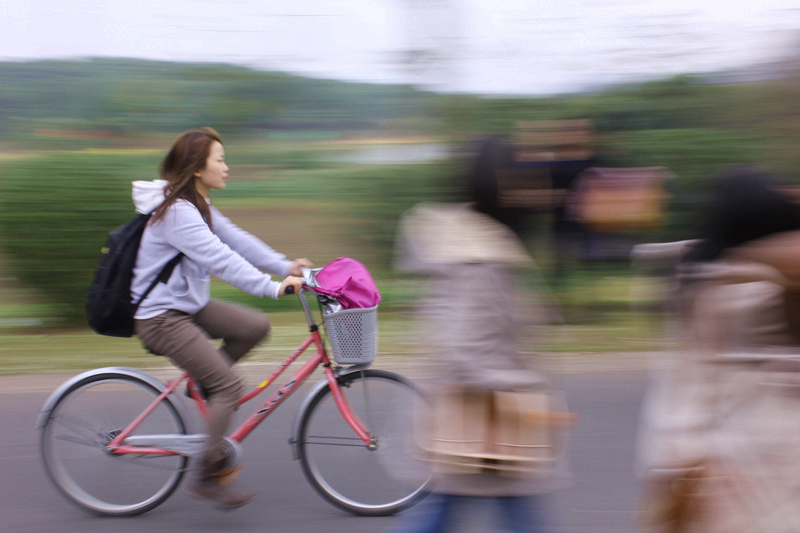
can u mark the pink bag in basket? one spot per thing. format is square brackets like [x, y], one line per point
[349, 282]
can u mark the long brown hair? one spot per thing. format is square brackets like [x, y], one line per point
[188, 155]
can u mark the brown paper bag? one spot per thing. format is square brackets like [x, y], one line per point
[510, 433]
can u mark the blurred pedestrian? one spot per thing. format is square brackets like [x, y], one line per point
[489, 390]
[720, 445]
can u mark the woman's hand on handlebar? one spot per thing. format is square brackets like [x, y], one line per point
[298, 264]
[293, 284]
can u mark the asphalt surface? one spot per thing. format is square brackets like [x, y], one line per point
[601, 497]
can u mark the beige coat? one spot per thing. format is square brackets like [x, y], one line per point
[473, 319]
[720, 440]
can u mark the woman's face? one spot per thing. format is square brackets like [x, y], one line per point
[215, 173]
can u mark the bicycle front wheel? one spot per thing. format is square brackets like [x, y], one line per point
[84, 419]
[341, 468]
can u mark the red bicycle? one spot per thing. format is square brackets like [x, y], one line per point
[116, 441]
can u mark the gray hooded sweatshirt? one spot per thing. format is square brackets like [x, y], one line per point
[229, 253]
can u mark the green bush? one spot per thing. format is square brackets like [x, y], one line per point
[55, 214]
[56, 210]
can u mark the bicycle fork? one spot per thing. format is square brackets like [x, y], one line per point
[363, 433]
[369, 440]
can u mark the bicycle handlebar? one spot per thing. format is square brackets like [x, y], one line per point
[308, 281]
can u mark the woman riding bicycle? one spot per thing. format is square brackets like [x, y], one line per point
[178, 317]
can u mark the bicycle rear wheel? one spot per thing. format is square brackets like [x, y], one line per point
[84, 419]
[338, 464]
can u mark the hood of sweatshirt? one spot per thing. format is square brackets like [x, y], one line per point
[147, 195]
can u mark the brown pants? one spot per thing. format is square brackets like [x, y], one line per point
[185, 340]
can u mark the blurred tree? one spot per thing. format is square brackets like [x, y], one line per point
[137, 96]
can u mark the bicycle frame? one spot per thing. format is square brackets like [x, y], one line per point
[117, 447]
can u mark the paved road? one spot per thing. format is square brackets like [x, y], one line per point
[601, 498]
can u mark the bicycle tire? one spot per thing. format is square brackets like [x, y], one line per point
[83, 418]
[341, 468]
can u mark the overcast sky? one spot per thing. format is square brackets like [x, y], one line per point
[491, 46]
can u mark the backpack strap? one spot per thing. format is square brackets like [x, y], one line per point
[163, 277]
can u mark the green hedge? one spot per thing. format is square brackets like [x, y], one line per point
[56, 210]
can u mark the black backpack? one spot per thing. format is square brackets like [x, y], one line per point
[108, 303]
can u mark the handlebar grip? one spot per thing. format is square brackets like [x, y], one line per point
[289, 289]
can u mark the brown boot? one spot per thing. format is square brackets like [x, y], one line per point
[214, 484]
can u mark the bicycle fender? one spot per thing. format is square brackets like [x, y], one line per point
[50, 403]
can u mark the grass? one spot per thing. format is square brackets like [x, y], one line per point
[602, 318]
[33, 350]
[42, 351]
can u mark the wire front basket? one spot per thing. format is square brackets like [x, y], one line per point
[353, 334]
